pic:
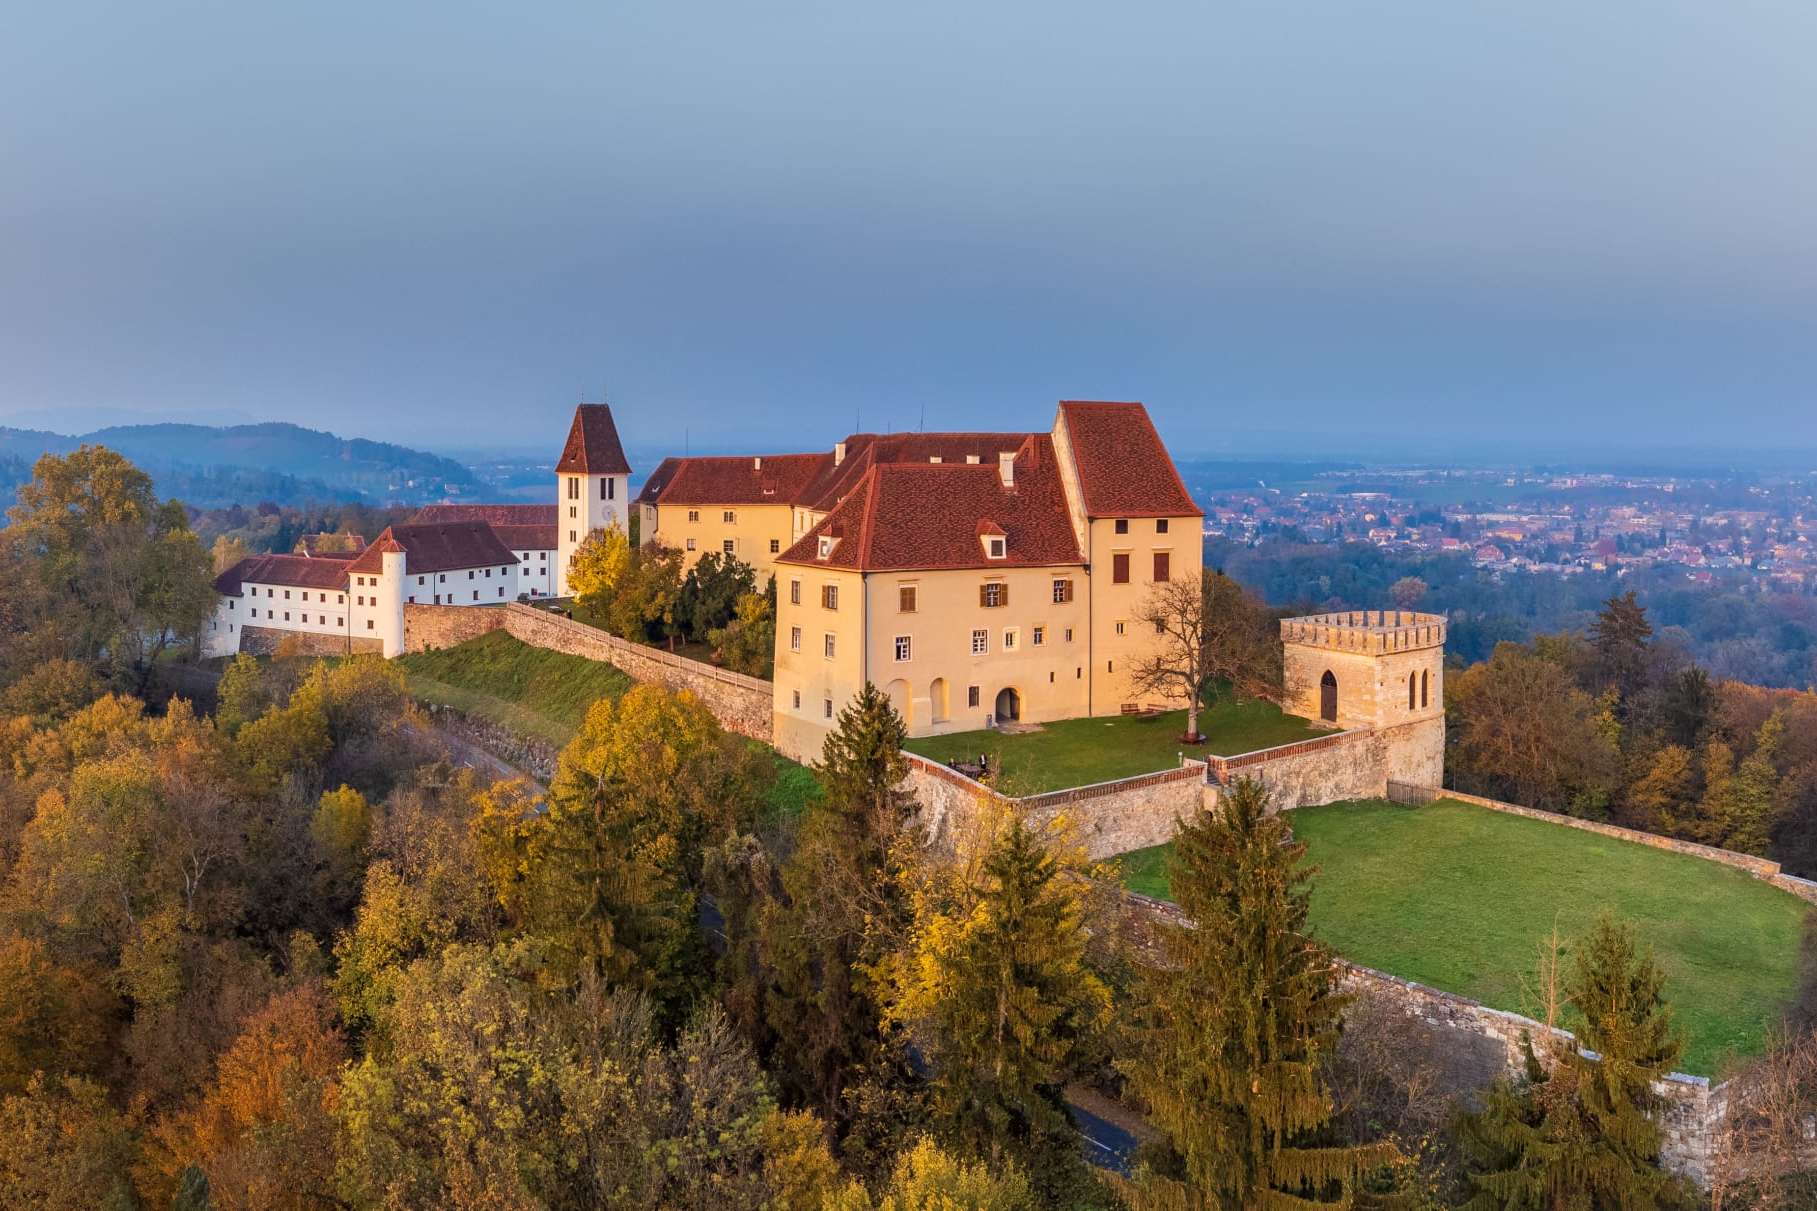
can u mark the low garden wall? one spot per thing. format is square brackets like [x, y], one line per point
[1471, 1045]
[265, 641]
[1764, 869]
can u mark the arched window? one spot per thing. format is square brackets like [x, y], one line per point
[1328, 697]
[1425, 687]
[1412, 682]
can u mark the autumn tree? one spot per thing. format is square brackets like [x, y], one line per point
[609, 875]
[748, 643]
[926, 1179]
[1407, 592]
[114, 577]
[1207, 632]
[1584, 1131]
[599, 567]
[1520, 730]
[1236, 1024]
[66, 1149]
[995, 984]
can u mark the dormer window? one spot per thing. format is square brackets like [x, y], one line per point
[994, 547]
[827, 543]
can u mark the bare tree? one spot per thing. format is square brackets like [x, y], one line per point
[1208, 632]
[1766, 1153]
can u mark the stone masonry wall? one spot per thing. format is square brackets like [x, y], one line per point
[1109, 818]
[428, 627]
[1355, 764]
[742, 704]
[264, 641]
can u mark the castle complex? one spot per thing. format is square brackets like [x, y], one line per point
[980, 579]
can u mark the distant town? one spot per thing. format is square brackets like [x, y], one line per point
[1716, 529]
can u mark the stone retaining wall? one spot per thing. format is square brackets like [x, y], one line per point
[1474, 1044]
[741, 704]
[1108, 818]
[265, 641]
[1763, 869]
[428, 627]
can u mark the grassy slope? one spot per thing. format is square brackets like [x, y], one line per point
[1077, 752]
[1460, 897]
[544, 694]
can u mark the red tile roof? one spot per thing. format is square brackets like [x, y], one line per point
[767, 479]
[528, 538]
[498, 515]
[1124, 470]
[304, 571]
[866, 450]
[437, 548]
[904, 516]
[592, 447]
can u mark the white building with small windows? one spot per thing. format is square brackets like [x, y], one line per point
[465, 555]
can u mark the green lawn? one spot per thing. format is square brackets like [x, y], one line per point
[1460, 897]
[1078, 752]
[546, 695]
[531, 690]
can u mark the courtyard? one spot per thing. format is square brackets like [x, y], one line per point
[1460, 897]
[1079, 752]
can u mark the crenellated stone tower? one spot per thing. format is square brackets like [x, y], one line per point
[1377, 670]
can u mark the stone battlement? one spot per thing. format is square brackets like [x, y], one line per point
[1372, 632]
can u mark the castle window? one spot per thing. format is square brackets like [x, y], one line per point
[573, 490]
[971, 695]
[1122, 627]
[829, 597]
[1160, 525]
[797, 699]
[729, 545]
[419, 580]
[1063, 591]
[1069, 634]
[1119, 568]
[1122, 525]
[904, 646]
[775, 545]
[1163, 566]
[905, 599]
[794, 592]
[369, 624]
[729, 517]
[831, 645]
[1412, 681]
[571, 538]
[573, 512]
[690, 544]
[1425, 685]
[827, 707]
[1038, 636]
[606, 488]
[342, 621]
[981, 645]
[794, 639]
[693, 514]
[993, 594]
[1009, 639]
[286, 615]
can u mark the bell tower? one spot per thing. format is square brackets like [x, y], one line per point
[592, 481]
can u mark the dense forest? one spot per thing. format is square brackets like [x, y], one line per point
[279, 947]
[1731, 629]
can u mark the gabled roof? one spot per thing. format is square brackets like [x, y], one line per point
[908, 516]
[303, 571]
[1124, 470]
[592, 447]
[498, 515]
[866, 450]
[763, 479]
[437, 548]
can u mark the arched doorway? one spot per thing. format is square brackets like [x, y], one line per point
[936, 695]
[1009, 706]
[1328, 697]
[898, 690]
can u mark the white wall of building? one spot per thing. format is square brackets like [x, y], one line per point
[585, 503]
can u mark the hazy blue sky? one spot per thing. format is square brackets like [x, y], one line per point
[1525, 220]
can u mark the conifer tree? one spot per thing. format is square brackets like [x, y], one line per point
[1236, 1024]
[995, 980]
[842, 911]
[1582, 1134]
[1755, 793]
[1620, 635]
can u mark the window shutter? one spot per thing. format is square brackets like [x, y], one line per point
[983, 596]
[1119, 569]
[1161, 566]
[1003, 594]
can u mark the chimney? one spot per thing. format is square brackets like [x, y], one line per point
[757, 463]
[1006, 468]
[838, 454]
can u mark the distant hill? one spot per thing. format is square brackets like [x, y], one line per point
[208, 465]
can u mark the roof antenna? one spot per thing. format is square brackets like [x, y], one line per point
[923, 427]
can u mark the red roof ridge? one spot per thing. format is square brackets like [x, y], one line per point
[593, 447]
